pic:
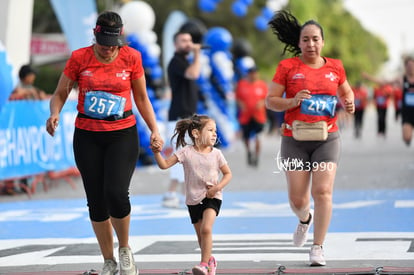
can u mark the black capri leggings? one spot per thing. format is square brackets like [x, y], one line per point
[106, 161]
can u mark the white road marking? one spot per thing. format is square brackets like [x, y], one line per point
[338, 247]
[404, 204]
[156, 212]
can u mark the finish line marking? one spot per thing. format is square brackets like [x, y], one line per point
[361, 246]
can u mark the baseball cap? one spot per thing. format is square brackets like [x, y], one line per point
[252, 69]
[108, 36]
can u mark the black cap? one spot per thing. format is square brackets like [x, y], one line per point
[108, 36]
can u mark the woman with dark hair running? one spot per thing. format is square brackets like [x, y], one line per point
[105, 142]
[310, 134]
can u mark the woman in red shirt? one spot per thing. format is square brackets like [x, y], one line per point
[361, 100]
[251, 92]
[382, 95]
[106, 140]
[311, 83]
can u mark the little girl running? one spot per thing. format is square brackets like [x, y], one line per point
[202, 165]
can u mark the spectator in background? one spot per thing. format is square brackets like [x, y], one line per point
[25, 88]
[251, 92]
[407, 110]
[382, 95]
[361, 100]
[397, 96]
[182, 76]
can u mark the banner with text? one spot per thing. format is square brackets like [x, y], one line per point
[25, 146]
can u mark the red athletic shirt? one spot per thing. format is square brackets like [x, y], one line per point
[295, 76]
[361, 98]
[250, 93]
[382, 95]
[397, 97]
[114, 78]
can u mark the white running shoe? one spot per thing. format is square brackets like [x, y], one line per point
[126, 262]
[171, 201]
[109, 268]
[300, 236]
[316, 256]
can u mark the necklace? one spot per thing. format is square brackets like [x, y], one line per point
[106, 59]
[319, 63]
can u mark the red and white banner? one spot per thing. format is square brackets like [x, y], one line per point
[48, 48]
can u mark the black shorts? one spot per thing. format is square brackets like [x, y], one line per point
[252, 128]
[407, 115]
[196, 211]
[309, 153]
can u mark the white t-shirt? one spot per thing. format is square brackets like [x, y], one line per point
[200, 168]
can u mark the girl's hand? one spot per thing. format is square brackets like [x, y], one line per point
[211, 190]
[156, 142]
[156, 146]
[211, 193]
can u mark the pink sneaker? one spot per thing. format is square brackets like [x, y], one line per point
[200, 270]
[212, 266]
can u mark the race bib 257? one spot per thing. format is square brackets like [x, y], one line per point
[99, 104]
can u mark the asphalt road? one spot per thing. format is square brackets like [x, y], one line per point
[371, 163]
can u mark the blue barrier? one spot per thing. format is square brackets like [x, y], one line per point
[25, 146]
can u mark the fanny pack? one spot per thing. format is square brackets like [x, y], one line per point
[305, 131]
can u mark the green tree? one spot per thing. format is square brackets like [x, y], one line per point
[346, 38]
[266, 49]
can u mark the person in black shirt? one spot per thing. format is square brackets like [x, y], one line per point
[407, 111]
[182, 76]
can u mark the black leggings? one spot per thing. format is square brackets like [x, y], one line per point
[382, 120]
[358, 117]
[106, 161]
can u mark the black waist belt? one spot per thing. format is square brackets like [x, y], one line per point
[109, 118]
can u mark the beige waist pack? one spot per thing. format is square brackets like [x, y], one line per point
[304, 131]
